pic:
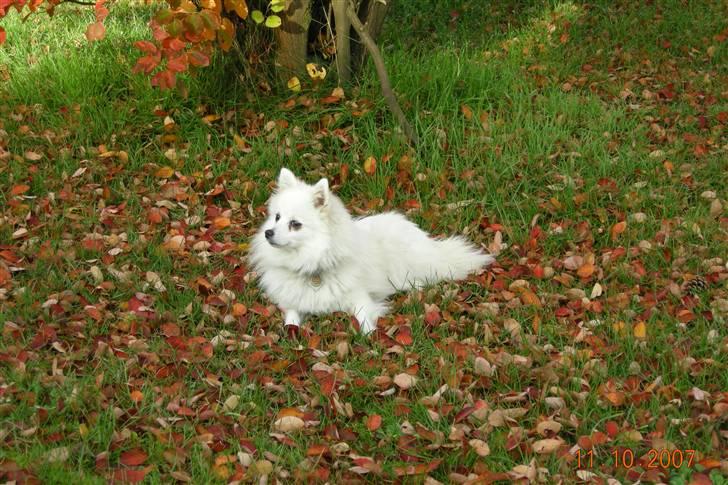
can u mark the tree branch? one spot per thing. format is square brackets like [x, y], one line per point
[387, 92]
[78, 2]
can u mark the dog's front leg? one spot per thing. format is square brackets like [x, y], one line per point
[292, 317]
[367, 312]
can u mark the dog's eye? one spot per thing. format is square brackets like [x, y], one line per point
[278, 216]
[294, 225]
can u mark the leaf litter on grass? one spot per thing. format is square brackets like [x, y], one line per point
[136, 343]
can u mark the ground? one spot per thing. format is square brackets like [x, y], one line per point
[585, 143]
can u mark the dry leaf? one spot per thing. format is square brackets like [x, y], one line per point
[405, 381]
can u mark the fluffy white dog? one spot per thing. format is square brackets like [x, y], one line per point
[312, 257]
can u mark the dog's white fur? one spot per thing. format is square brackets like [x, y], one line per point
[333, 262]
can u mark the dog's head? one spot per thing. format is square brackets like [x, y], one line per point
[297, 214]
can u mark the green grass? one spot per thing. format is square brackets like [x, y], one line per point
[574, 128]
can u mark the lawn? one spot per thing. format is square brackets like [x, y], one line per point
[584, 143]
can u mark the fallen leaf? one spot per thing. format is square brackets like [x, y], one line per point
[548, 445]
[164, 172]
[19, 189]
[374, 422]
[134, 457]
[370, 165]
[289, 423]
[618, 229]
[480, 447]
[405, 381]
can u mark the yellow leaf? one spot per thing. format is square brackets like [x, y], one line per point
[586, 270]
[316, 72]
[239, 6]
[164, 172]
[370, 165]
[221, 222]
[294, 84]
[528, 297]
[640, 330]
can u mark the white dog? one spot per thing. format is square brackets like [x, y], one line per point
[312, 257]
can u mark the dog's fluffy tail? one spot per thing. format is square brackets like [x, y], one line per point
[454, 258]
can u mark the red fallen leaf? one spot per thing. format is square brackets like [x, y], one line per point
[5, 276]
[468, 410]
[92, 244]
[722, 116]
[3, 36]
[618, 229]
[19, 189]
[327, 384]
[134, 457]
[179, 343]
[374, 422]
[412, 204]
[538, 271]
[317, 450]
[612, 428]
[93, 312]
[185, 411]
[585, 443]
[259, 309]
[466, 111]
[599, 438]
[700, 479]
[404, 336]
[709, 463]
[417, 469]
[700, 150]
[127, 475]
[136, 396]
[44, 336]
[432, 318]
[170, 330]
[685, 316]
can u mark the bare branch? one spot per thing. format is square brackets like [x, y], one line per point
[78, 2]
[387, 92]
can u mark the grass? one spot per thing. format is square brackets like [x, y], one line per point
[568, 117]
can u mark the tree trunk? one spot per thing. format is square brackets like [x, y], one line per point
[372, 13]
[343, 48]
[292, 39]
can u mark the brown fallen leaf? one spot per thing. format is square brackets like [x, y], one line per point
[374, 422]
[405, 381]
[134, 457]
[289, 423]
[618, 229]
[548, 445]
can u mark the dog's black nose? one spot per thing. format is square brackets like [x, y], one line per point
[269, 233]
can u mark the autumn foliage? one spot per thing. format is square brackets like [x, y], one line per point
[183, 34]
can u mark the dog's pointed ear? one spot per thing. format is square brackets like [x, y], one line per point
[321, 194]
[286, 178]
